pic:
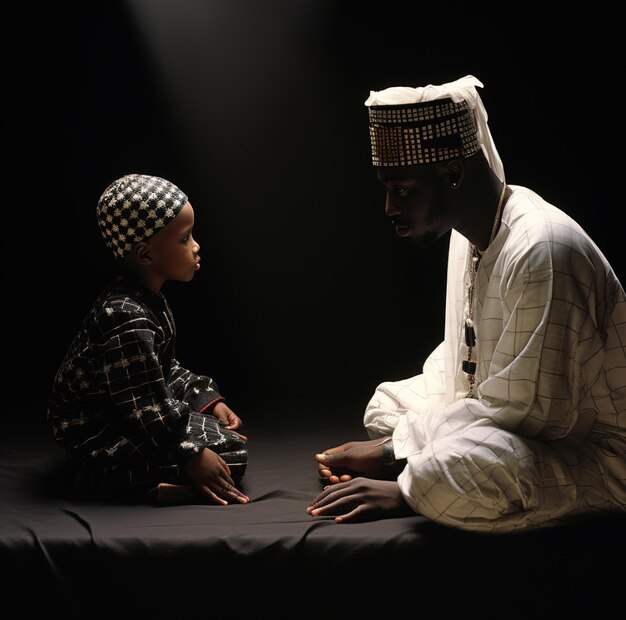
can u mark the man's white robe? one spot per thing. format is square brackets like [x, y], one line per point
[545, 437]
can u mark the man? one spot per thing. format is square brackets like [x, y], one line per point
[518, 420]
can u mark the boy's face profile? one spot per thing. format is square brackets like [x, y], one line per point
[173, 252]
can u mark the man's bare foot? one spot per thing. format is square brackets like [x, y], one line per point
[355, 458]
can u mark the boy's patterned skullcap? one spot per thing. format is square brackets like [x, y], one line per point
[135, 207]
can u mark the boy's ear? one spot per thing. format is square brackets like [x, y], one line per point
[141, 253]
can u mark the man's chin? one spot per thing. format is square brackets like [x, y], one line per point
[423, 241]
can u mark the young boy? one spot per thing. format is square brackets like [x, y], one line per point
[123, 408]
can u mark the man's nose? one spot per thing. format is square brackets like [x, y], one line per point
[390, 208]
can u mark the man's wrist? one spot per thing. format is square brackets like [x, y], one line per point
[389, 456]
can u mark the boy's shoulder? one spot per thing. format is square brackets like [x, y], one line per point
[122, 301]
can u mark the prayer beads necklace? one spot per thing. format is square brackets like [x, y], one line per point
[473, 257]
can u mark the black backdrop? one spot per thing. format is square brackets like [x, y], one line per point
[256, 110]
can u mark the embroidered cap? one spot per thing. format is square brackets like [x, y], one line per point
[430, 124]
[135, 207]
[422, 133]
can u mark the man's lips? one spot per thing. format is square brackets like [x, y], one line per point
[402, 228]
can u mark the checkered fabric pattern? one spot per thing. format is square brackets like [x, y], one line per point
[135, 207]
[121, 403]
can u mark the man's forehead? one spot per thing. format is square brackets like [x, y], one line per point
[387, 174]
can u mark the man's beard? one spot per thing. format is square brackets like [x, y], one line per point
[424, 241]
[433, 218]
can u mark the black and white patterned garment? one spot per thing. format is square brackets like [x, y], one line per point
[545, 438]
[122, 405]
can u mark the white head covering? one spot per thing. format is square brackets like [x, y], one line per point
[463, 89]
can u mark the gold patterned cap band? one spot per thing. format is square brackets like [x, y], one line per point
[422, 133]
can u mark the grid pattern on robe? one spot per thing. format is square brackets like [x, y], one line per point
[545, 439]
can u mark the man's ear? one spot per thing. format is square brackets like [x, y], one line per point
[141, 253]
[455, 171]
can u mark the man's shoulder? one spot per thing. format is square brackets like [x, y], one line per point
[532, 217]
[546, 236]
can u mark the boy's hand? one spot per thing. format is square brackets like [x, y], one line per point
[227, 417]
[210, 476]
